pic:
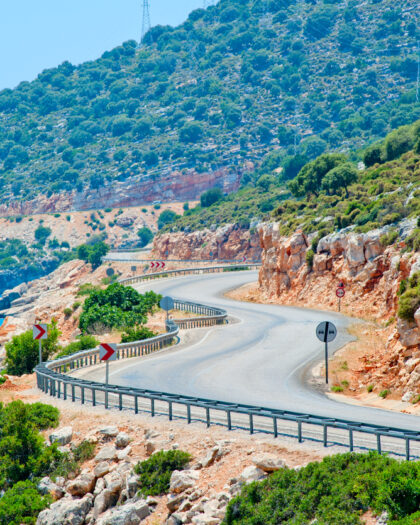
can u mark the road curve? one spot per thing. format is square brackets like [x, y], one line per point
[263, 359]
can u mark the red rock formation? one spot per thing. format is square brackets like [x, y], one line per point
[169, 187]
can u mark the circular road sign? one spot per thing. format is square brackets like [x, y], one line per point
[167, 303]
[110, 272]
[340, 293]
[326, 332]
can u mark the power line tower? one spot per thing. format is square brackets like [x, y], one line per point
[146, 19]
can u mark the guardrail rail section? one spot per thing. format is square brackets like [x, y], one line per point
[53, 378]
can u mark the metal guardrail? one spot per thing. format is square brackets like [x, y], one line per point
[52, 379]
[188, 271]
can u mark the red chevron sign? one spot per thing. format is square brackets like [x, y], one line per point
[107, 352]
[40, 331]
[157, 265]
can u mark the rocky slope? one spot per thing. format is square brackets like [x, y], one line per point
[228, 242]
[371, 274]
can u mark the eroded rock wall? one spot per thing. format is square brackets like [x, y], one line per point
[227, 242]
[371, 274]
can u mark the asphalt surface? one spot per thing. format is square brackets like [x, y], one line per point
[263, 359]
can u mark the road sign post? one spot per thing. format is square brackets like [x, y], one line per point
[107, 353]
[40, 332]
[167, 303]
[326, 332]
[340, 293]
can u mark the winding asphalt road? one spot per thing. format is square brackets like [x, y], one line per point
[263, 359]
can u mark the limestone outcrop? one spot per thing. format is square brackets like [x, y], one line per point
[371, 274]
[227, 242]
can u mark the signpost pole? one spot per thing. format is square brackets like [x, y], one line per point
[40, 351]
[326, 362]
[339, 304]
[106, 383]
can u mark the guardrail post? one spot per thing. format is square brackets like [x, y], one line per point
[299, 431]
[251, 424]
[106, 398]
[73, 395]
[120, 401]
[351, 439]
[170, 410]
[136, 405]
[378, 443]
[207, 417]
[65, 391]
[275, 431]
[93, 397]
[407, 449]
[152, 407]
[58, 389]
[82, 396]
[229, 420]
[189, 413]
[325, 435]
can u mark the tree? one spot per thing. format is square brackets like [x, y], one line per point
[211, 196]
[121, 125]
[22, 504]
[265, 181]
[42, 233]
[191, 132]
[292, 166]
[22, 350]
[309, 179]
[372, 155]
[146, 235]
[398, 142]
[339, 177]
[166, 217]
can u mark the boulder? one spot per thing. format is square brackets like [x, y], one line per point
[174, 501]
[101, 469]
[122, 440]
[268, 463]
[109, 432]
[47, 486]
[355, 253]
[250, 474]
[103, 501]
[61, 436]
[183, 479]
[409, 333]
[106, 454]
[123, 454]
[81, 485]
[128, 514]
[67, 511]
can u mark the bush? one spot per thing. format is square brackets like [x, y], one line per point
[41, 234]
[137, 333]
[335, 491]
[43, 416]
[84, 342]
[409, 300]
[211, 196]
[22, 503]
[166, 217]
[84, 452]
[310, 258]
[145, 235]
[22, 351]
[116, 307]
[155, 472]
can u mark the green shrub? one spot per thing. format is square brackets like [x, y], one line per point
[67, 312]
[409, 297]
[137, 333]
[336, 388]
[145, 235]
[389, 238]
[310, 258]
[155, 472]
[84, 342]
[370, 388]
[22, 351]
[84, 451]
[384, 393]
[335, 491]
[22, 503]
[43, 416]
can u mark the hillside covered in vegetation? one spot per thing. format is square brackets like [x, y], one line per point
[329, 193]
[231, 84]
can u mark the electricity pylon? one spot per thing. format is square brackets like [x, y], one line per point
[146, 19]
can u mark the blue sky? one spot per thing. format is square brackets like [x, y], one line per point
[38, 34]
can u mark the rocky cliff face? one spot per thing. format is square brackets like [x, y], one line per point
[169, 187]
[228, 242]
[371, 274]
